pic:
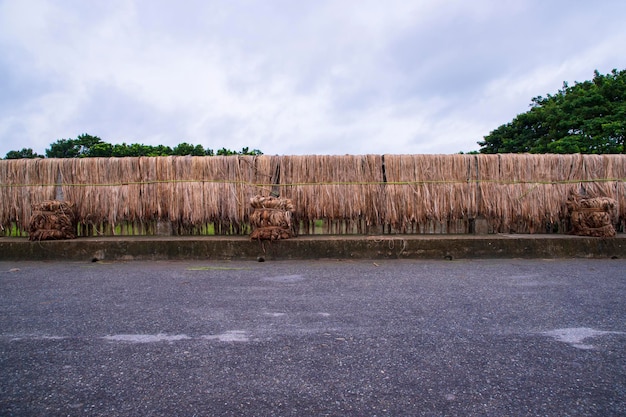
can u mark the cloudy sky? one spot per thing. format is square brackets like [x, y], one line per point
[292, 76]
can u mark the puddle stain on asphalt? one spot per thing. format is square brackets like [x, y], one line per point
[26, 337]
[146, 338]
[284, 279]
[229, 336]
[576, 336]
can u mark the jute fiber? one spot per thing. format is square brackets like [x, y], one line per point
[272, 218]
[592, 216]
[52, 220]
[513, 193]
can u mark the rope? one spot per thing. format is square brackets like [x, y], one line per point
[329, 183]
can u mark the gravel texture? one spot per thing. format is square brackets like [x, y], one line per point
[313, 338]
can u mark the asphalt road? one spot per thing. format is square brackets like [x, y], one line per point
[314, 338]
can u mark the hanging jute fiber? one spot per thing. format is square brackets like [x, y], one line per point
[592, 216]
[514, 193]
[272, 218]
[52, 220]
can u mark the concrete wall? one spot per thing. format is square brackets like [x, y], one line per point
[315, 247]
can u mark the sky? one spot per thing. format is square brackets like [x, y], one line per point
[292, 77]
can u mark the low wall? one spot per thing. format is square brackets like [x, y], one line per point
[314, 247]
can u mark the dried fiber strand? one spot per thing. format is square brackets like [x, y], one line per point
[52, 220]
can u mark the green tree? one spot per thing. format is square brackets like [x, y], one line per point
[588, 117]
[73, 148]
[134, 149]
[100, 150]
[88, 146]
[225, 152]
[187, 149]
[86, 142]
[63, 148]
[160, 150]
[25, 153]
[244, 151]
[247, 151]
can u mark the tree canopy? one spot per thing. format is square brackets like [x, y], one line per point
[25, 153]
[588, 117]
[88, 146]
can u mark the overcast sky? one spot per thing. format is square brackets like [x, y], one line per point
[292, 76]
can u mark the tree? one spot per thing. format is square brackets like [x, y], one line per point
[100, 150]
[73, 148]
[63, 148]
[187, 149]
[225, 152]
[160, 150]
[86, 142]
[88, 146]
[244, 151]
[25, 153]
[588, 117]
[247, 151]
[134, 149]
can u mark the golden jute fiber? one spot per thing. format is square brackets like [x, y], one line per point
[594, 216]
[52, 220]
[272, 218]
[520, 193]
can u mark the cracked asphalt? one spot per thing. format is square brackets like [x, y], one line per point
[313, 338]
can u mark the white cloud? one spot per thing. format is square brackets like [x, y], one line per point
[326, 77]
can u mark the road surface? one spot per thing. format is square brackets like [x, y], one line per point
[313, 338]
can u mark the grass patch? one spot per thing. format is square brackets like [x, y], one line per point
[13, 231]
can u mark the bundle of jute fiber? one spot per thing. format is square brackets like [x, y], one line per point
[52, 220]
[270, 233]
[272, 218]
[592, 216]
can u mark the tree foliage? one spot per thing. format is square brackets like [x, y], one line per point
[25, 153]
[73, 148]
[88, 146]
[588, 117]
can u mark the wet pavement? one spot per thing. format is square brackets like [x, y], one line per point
[506, 337]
